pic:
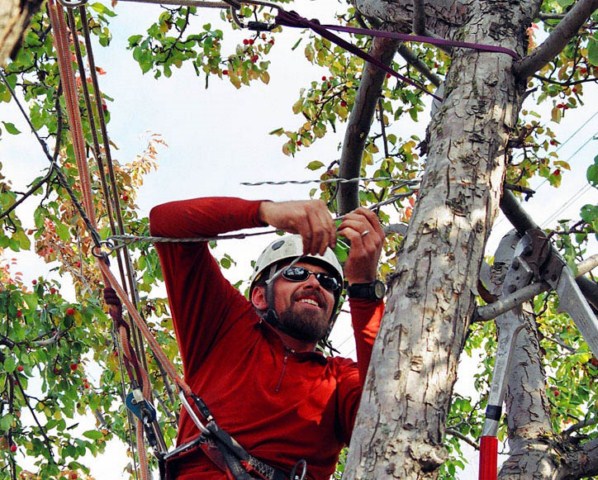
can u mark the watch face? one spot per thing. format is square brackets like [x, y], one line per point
[379, 289]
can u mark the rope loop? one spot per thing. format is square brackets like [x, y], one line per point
[103, 249]
[72, 3]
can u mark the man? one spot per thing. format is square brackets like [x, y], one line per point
[254, 362]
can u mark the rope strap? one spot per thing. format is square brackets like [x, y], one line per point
[293, 19]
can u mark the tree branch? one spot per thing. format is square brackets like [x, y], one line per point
[460, 436]
[557, 40]
[583, 462]
[419, 17]
[405, 52]
[360, 121]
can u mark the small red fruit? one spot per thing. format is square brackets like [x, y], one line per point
[13, 448]
[343, 103]
[125, 197]
[594, 362]
[556, 173]
[34, 282]
[251, 41]
[299, 143]
[19, 314]
[388, 75]
[245, 41]
[324, 78]
[224, 72]
[254, 58]
[20, 368]
[556, 393]
[70, 311]
[53, 291]
[74, 367]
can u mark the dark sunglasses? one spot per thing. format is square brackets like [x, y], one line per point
[301, 274]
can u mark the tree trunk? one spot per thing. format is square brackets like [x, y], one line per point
[401, 422]
[14, 19]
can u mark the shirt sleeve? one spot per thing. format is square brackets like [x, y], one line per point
[365, 316]
[204, 305]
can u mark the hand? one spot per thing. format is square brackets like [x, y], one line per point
[362, 228]
[310, 219]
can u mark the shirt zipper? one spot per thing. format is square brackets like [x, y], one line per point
[287, 352]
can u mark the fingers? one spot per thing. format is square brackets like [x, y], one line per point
[310, 219]
[318, 230]
[362, 228]
[361, 225]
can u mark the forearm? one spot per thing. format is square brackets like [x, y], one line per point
[365, 316]
[208, 216]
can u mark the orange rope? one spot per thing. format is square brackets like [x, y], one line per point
[169, 368]
[67, 76]
[62, 45]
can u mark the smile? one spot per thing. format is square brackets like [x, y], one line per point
[309, 301]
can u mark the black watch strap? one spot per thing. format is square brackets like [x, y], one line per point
[369, 291]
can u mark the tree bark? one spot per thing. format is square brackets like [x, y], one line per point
[401, 422]
[14, 19]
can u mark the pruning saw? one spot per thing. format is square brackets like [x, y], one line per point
[530, 258]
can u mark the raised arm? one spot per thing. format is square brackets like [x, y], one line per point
[200, 298]
[362, 229]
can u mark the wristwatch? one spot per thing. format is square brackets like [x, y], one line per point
[369, 291]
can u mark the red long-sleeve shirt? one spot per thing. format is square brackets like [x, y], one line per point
[281, 406]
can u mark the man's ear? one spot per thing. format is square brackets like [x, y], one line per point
[258, 298]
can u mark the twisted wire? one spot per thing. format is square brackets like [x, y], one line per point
[399, 182]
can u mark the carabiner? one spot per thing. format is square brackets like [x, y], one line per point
[72, 3]
[303, 465]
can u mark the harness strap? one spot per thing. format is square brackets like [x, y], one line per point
[230, 457]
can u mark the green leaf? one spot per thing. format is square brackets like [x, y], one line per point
[10, 128]
[102, 9]
[592, 173]
[10, 364]
[93, 434]
[6, 422]
[62, 230]
[315, 165]
[593, 50]
[341, 250]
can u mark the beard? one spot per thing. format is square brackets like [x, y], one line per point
[304, 325]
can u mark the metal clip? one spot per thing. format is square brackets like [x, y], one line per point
[300, 464]
[140, 407]
[72, 3]
[105, 248]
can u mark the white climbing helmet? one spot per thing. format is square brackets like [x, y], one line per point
[290, 247]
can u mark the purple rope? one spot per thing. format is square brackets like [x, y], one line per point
[293, 19]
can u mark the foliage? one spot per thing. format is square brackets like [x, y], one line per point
[51, 348]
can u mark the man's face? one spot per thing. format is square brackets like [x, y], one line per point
[304, 308]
